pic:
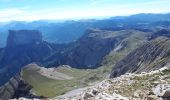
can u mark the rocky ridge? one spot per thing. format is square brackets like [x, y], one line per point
[150, 56]
[51, 73]
[16, 87]
[7, 91]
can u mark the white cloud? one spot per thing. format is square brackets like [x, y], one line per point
[25, 14]
[10, 12]
[96, 2]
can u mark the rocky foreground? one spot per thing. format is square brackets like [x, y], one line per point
[154, 85]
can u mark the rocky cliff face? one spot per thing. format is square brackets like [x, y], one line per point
[16, 87]
[12, 88]
[8, 90]
[23, 47]
[23, 37]
[150, 56]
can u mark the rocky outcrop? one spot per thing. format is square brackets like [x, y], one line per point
[16, 87]
[23, 47]
[7, 91]
[162, 90]
[150, 56]
[23, 37]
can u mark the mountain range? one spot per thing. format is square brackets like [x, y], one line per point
[69, 31]
[76, 54]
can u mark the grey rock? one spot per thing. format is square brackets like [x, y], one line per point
[166, 93]
[162, 91]
[15, 88]
[87, 96]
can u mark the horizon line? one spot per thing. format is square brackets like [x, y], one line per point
[79, 19]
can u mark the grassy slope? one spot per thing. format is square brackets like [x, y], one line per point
[44, 86]
[133, 41]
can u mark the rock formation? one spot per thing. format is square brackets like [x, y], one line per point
[7, 91]
[23, 37]
[162, 90]
[16, 87]
[23, 47]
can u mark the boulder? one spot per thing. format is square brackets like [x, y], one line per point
[87, 95]
[166, 94]
[162, 91]
[95, 91]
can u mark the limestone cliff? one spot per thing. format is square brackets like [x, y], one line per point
[23, 37]
[23, 47]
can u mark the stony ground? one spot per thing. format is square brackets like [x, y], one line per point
[145, 86]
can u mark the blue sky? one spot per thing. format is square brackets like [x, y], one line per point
[30, 10]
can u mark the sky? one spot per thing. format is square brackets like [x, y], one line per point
[31, 10]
